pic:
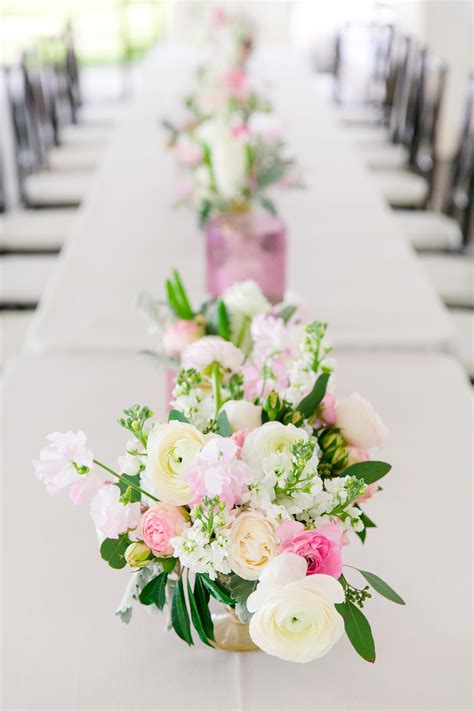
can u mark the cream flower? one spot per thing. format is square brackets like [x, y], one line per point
[360, 423]
[171, 448]
[242, 414]
[252, 544]
[295, 618]
[229, 162]
[270, 438]
[212, 349]
[246, 298]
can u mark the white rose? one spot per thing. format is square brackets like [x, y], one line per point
[229, 162]
[270, 438]
[252, 544]
[295, 618]
[242, 414]
[171, 448]
[246, 298]
[359, 422]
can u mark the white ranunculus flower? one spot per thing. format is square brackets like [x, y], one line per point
[171, 448]
[295, 618]
[246, 298]
[270, 438]
[360, 423]
[242, 414]
[252, 544]
[229, 162]
[212, 349]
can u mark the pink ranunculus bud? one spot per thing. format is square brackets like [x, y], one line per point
[180, 335]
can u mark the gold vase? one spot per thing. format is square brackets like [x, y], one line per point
[230, 633]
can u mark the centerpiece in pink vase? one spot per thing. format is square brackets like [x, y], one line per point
[246, 245]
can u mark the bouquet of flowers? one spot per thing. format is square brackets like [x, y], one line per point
[249, 492]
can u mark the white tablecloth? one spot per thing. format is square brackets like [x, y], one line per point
[63, 647]
[346, 255]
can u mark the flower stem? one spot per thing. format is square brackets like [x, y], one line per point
[124, 480]
[216, 387]
[243, 331]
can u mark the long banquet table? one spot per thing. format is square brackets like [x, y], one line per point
[64, 649]
[346, 254]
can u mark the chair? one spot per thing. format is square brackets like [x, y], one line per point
[13, 329]
[453, 278]
[449, 229]
[23, 279]
[464, 324]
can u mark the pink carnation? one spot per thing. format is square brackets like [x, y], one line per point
[217, 472]
[321, 547]
[158, 525]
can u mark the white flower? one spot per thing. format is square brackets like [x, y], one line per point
[229, 162]
[212, 349]
[171, 448]
[59, 462]
[360, 423]
[295, 618]
[252, 544]
[110, 516]
[242, 414]
[246, 298]
[270, 438]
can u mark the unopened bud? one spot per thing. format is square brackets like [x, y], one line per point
[137, 555]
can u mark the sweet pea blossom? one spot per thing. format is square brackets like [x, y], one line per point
[179, 335]
[321, 548]
[212, 349]
[61, 462]
[110, 516]
[218, 472]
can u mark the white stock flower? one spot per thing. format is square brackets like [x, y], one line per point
[360, 423]
[171, 448]
[242, 414]
[295, 618]
[212, 349]
[229, 162]
[110, 516]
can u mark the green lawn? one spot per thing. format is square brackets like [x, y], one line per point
[106, 31]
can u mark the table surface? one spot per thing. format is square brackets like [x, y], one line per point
[65, 649]
[346, 254]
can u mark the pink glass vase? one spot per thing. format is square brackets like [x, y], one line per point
[246, 245]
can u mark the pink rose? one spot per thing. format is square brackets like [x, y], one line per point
[327, 411]
[321, 547]
[179, 335]
[158, 525]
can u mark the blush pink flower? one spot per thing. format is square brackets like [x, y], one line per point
[59, 462]
[212, 349]
[158, 525]
[110, 516]
[187, 152]
[179, 335]
[234, 81]
[371, 490]
[239, 438]
[356, 455]
[321, 548]
[327, 411]
[217, 472]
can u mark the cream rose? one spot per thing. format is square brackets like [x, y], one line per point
[270, 438]
[252, 544]
[295, 618]
[171, 448]
[360, 423]
[242, 414]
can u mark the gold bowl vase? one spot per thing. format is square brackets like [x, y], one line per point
[230, 633]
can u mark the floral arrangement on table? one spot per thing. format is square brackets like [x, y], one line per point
[232, 36]
[249, 492]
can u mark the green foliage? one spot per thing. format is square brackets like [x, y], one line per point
[198, 615]
[129, 494]
[177, 297]
[287, 312]
[154, 592]
[113, 550]
[382, 587]
[223, 425]
[177, 415]
[217, 590]
[368, 471]
[134, 419]
[358, 630]
[223, 321]
[240, 590]
[201, 595]
[180, 615]
[310, 403]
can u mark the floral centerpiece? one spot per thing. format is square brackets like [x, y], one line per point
[248, 492]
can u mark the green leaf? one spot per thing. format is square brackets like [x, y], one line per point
[182, 296]
[173, 301]
[155, 591]
[382, 587]
[368, 523]
[240, 590]
[196, 616]
[358, 630]
[268, 205]
[223, 323]
[180, 615]
[309, 404]
[223, 425]
[113, 551]
[201, 595]
[177, 415]
[168, 564]
[287, 312]
[216, 590]
[132, 494]
[368, 471]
